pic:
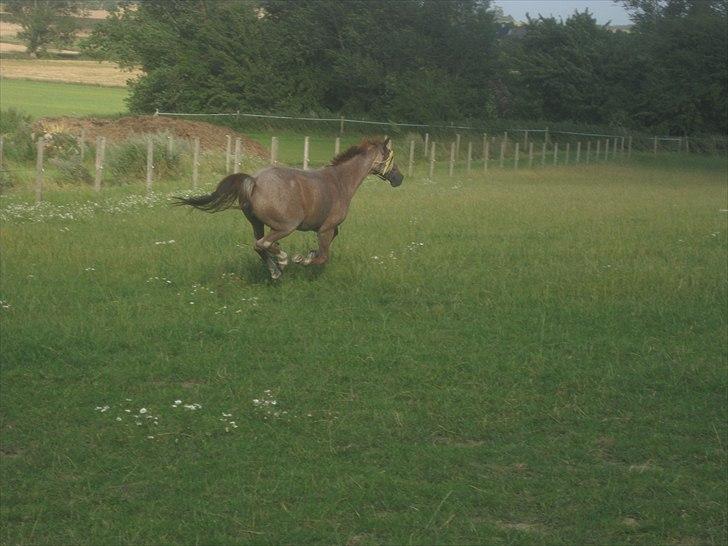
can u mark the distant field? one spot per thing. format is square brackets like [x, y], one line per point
[60, 99]
[66, 70]
[533, 357]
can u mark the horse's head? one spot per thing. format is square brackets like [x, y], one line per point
[384, 166]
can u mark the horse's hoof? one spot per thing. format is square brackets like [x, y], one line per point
[282, 259]
[297, 258]
[275, 275]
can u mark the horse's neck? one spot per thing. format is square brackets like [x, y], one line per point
[351, 174]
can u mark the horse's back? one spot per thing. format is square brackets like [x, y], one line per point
[283, 195]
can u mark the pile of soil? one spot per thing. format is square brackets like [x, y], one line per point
[212, 137]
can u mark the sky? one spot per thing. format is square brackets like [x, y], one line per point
[603, 10]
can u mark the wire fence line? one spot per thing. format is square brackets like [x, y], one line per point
[718, 141]
[158, 157]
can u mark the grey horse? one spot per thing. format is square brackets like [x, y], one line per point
[286, 199]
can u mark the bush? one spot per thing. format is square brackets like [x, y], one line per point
[17, 129]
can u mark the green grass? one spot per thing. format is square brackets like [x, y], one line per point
[547, 367]
[61, 99]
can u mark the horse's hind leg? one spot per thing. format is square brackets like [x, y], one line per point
[320, 256]
[268, 243]
[258, 232]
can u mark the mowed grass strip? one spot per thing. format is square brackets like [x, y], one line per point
[531, 358]
[40, 99]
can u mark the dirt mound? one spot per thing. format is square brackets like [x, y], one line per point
[212, 137]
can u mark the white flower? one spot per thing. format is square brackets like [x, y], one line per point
[143, 410]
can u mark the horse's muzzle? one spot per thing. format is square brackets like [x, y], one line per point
[395, 177]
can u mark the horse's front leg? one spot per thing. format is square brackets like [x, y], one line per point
[320, 256]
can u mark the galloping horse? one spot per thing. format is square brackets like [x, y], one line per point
[286, 199]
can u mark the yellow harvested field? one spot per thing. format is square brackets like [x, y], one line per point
[71, 71]
[8, 30]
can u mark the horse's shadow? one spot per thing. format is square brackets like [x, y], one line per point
[255, 273]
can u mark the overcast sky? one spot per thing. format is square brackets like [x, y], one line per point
[603, 10]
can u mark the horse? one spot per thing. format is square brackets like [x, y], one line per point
[287, 199]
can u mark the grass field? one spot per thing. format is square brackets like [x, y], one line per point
[535, 358]
[60, 99]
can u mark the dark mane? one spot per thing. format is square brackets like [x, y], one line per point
[354, 151]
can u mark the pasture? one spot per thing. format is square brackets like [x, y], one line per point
[523, 358]
[41, 98]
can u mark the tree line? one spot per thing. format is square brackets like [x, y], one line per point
[425, 61]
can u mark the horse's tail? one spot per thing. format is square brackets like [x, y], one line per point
[232, 188]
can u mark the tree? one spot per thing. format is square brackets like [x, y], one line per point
[685, 74]
[45, 22]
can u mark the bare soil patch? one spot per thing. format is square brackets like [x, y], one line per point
[115, 130]
[70, 71]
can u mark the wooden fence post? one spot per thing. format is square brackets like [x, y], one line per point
[427, 142]
[337, 146]
[170, 145]
[411, 163]
[2, 142]
[457, 146]
[543, 154]
[99, 164]
[588, 151]
[452, 157]
[486, 152]
[432, 159]
[629, 147]
[516, 156]
[556, 153]
[195, 162]
[238, 156]
[470, 154]
[150, 162]
[228, 153]
[578, 151]
[622, 150]
[530, 154]
[39, 169]
[614, 148]
[568, 152]
[502, 151]
[274, 150]
[606, 149]
[82, 144]
[341, 126]
[654, 149]
[599, 147]
[305, 153]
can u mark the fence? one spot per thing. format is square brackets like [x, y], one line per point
[449, 150]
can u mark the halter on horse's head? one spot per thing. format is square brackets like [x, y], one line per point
[385, 168]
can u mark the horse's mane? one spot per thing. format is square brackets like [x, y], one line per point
[354, 151]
